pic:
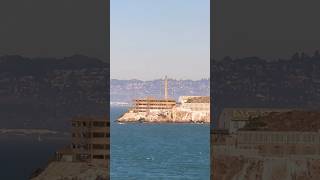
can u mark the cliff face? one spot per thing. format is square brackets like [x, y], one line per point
[282, 146]
[250, 168]
[256, 82]
[174, 116]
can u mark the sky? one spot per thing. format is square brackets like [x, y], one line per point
[59, 28]
[269, 29]
[150, 39]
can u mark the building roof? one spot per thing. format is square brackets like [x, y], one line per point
[287, 121]
[154, 99]
[198, 99]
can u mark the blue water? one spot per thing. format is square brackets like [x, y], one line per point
[138, 151]
[159, 151]
[21, 155]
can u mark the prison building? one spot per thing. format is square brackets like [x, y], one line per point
[152, 104]
[195, 103]
[91, 140]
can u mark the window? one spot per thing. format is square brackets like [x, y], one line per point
[85, 135]
[98, 146]
[98, 157]
[98, 134]
[99, 124]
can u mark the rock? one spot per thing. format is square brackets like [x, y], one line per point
[176, 115]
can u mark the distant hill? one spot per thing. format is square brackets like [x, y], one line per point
[256, 82]
[47, 92]
[126, 90]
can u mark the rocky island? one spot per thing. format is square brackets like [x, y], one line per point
[189, 109]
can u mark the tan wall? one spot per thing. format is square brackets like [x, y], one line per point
[266, 137]
[196, 106]
[270, 143]
[145, 105]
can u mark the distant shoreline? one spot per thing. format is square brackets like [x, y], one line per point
[164, 122]
[31, 132]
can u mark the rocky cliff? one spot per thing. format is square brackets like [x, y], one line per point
[264, 168]
[175, 115]
[295, 158]
[71, 171]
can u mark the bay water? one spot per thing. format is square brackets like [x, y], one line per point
[159, 151]
[138, 151]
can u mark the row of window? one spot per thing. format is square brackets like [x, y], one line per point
[101, 157]
[100, 146]
[155, 104]
[91, 146]
[91, 124]
[154, 100]
[280, 138]
[153, 108]
[91, 135]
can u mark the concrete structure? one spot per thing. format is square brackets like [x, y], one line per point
[236, 118]
[65, 155]
[86, 158]
[281, 137]
[90, 140]
[272, 143]
[152, 104]
[191, 109]
[195, 103]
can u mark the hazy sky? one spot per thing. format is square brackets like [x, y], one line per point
[53, 28]
[269, 28]
[153, 38]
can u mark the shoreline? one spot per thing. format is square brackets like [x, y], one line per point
[164, 122]
[34, 133]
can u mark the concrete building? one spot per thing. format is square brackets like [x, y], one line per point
[91, 140]
[150, 104]
[273, 143]
[236, 118]
[195, 103]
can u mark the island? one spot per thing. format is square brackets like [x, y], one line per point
[189, 109]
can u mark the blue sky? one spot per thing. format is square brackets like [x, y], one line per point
[153, 38]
